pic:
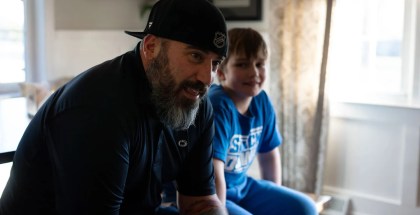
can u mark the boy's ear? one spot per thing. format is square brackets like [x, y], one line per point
[220, 74]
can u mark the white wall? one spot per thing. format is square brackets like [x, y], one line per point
[85, 33]
[373, 158]
[86, 48]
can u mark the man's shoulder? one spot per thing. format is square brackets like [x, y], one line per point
[109, 83]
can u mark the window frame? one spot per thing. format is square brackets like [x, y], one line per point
[409, 95]
[38, 29]
[415, 87]
[12, 89]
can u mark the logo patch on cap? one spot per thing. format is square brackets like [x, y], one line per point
[219, 39]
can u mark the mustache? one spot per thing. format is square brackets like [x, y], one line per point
[196, 85]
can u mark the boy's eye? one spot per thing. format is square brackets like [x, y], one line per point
[242, 65]
[260, 65]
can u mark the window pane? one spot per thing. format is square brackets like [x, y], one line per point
[11, 41]
[366, 47]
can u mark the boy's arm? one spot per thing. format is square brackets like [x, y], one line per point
[270, 166]
[219, 174]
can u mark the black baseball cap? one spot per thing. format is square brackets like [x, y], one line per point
[195, 22]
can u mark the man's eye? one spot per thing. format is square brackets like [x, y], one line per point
[197, 57]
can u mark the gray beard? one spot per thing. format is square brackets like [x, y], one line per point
[176, 117]
[176, 113]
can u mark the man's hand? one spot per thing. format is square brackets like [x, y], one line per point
[200, 205]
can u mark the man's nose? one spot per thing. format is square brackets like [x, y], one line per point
[205, 74]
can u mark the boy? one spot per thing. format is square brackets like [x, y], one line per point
[245, 124]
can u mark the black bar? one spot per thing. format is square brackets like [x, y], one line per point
[6, 157]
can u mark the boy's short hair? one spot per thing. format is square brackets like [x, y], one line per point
[246, 41]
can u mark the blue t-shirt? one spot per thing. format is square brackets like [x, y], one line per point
[238, 137]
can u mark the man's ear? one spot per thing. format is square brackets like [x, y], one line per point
[151, 46]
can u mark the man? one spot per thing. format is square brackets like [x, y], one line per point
[107, 141]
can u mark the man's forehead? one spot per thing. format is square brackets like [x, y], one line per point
[192, 47]
[187, 46]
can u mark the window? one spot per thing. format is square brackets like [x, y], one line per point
[371, 48]
[12, 58]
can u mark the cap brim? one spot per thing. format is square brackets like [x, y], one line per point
[140, 35]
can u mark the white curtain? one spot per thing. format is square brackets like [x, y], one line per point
[299, 37]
